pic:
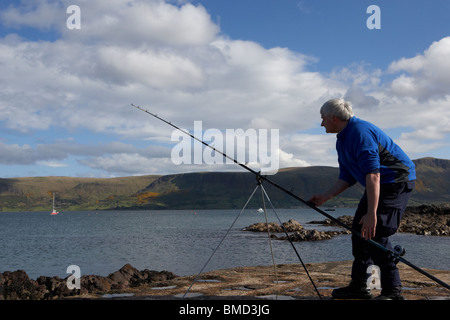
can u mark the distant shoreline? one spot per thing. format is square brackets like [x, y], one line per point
[202, 190]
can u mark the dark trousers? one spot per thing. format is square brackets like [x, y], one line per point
[391, 206]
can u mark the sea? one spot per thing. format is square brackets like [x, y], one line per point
[184, 242]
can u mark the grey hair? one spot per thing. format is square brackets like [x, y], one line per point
[339, 108]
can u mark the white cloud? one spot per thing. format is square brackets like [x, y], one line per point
[142, 22]
[163, 70]
[52, 164]
[36, 14]
[358, 97]
[15, 154]
[426, 75]
[288, 160]
[127, 164]
[317, 149]
[173, 60]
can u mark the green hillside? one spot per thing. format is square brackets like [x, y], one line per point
[433, 182]
[35, 193]
[206, 190]
[232, 189]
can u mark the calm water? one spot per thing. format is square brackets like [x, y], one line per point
[180, 241]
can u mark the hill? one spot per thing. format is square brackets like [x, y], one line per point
[215, 190]
[35, 193]
[205, 190]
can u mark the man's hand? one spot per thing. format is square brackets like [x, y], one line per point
[369, 224]
[338, 187]
[318, 199]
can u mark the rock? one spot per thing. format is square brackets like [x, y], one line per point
[127, 276]
[296, 230]
[311, 235]
[94, 283]
[348, 220]
[290, 226]
[157, 276]
[429, 220]
[262, 227]
[18, 286]
[53, 287]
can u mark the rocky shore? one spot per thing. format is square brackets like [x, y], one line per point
[16, 285]
[428, 220]
[289, 282]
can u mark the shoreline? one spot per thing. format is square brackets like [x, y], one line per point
[290, 282]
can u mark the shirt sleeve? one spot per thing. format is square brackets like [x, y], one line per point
[345, 175]
[368, 156]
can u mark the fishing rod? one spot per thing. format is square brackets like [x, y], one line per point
[396, 254]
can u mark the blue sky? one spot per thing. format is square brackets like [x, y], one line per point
[65, 94]
[316, 27]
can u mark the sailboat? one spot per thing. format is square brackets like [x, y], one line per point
[54, 212]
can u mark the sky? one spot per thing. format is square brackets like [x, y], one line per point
[68, 79]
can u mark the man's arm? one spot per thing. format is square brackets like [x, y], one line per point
[338, 187]
[369, 221]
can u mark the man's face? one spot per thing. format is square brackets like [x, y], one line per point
[330, 123]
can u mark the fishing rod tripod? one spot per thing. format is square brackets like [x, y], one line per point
[396, 254]
[264, 195]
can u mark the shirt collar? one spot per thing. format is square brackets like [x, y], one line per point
[341, 135]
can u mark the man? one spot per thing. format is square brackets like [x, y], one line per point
[368, 156]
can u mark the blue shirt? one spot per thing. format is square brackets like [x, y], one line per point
[364, 148]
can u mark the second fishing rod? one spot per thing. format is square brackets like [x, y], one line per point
[396, 254]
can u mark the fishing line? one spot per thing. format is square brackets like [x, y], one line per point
[268, 236]
[263, 193]
[396, 255]
[223, 238]
[292, 244]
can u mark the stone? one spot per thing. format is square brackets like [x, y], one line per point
[262, 227]
[311, 235]
[17, 285]
[296, 230]
[428, 220]
[290, 226]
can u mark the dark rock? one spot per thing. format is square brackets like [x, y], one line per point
[297, 233]
[426, 220]
[52, 287]
[348, 220]
[18, 286]
[127, 276]
[290, 226]
[312, 235]
[94, 283]
[157, 276]
[262, 227]
[422, 220]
